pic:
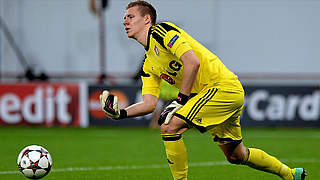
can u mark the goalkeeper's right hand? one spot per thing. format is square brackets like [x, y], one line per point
[109, 104]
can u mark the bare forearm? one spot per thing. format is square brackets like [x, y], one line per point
[138, 109]
[191, 65]
[146, 106]
[189, 76]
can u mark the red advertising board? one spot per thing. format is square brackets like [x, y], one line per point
[40, 104]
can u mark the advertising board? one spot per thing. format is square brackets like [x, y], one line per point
[42, 104]
[281, 106]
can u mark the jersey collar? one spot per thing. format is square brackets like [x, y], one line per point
[148, 41]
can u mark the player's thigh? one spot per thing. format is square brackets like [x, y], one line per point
[228, 131]
[211, 107]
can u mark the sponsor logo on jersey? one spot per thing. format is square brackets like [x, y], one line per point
[167, 78]
[156, 50]
[172, 41]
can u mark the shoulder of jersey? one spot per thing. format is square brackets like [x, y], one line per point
[159, 32]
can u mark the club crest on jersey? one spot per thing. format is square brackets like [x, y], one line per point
[167, 78]
[172, 41]
[156, 50]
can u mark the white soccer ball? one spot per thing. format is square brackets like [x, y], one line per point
[34, 162]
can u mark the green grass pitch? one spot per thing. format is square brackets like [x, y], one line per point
[138, 153]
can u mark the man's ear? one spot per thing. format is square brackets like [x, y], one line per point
[147, 19]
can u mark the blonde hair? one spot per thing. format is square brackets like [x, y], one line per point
[144, 8]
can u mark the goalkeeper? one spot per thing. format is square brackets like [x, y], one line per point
[210, 96]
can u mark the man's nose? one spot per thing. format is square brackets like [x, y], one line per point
[125, 22]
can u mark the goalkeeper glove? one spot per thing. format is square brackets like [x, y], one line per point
[167, 114]
[109, 103]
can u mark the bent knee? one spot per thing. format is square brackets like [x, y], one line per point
[235, 159]
[168, 129]
[176, 125]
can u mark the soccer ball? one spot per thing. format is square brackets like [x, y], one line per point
[34, 162]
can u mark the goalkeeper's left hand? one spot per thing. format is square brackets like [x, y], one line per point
[109, 104]
[167, 114]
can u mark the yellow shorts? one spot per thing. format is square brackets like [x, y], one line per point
[216, 111]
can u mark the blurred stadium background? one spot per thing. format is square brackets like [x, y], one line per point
[57, 56]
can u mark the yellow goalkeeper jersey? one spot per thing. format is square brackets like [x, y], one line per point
[166, 44]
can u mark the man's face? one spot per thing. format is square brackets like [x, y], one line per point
[133, 22]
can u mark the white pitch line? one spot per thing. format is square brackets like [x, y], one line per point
[153, 166]
[105, 168]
